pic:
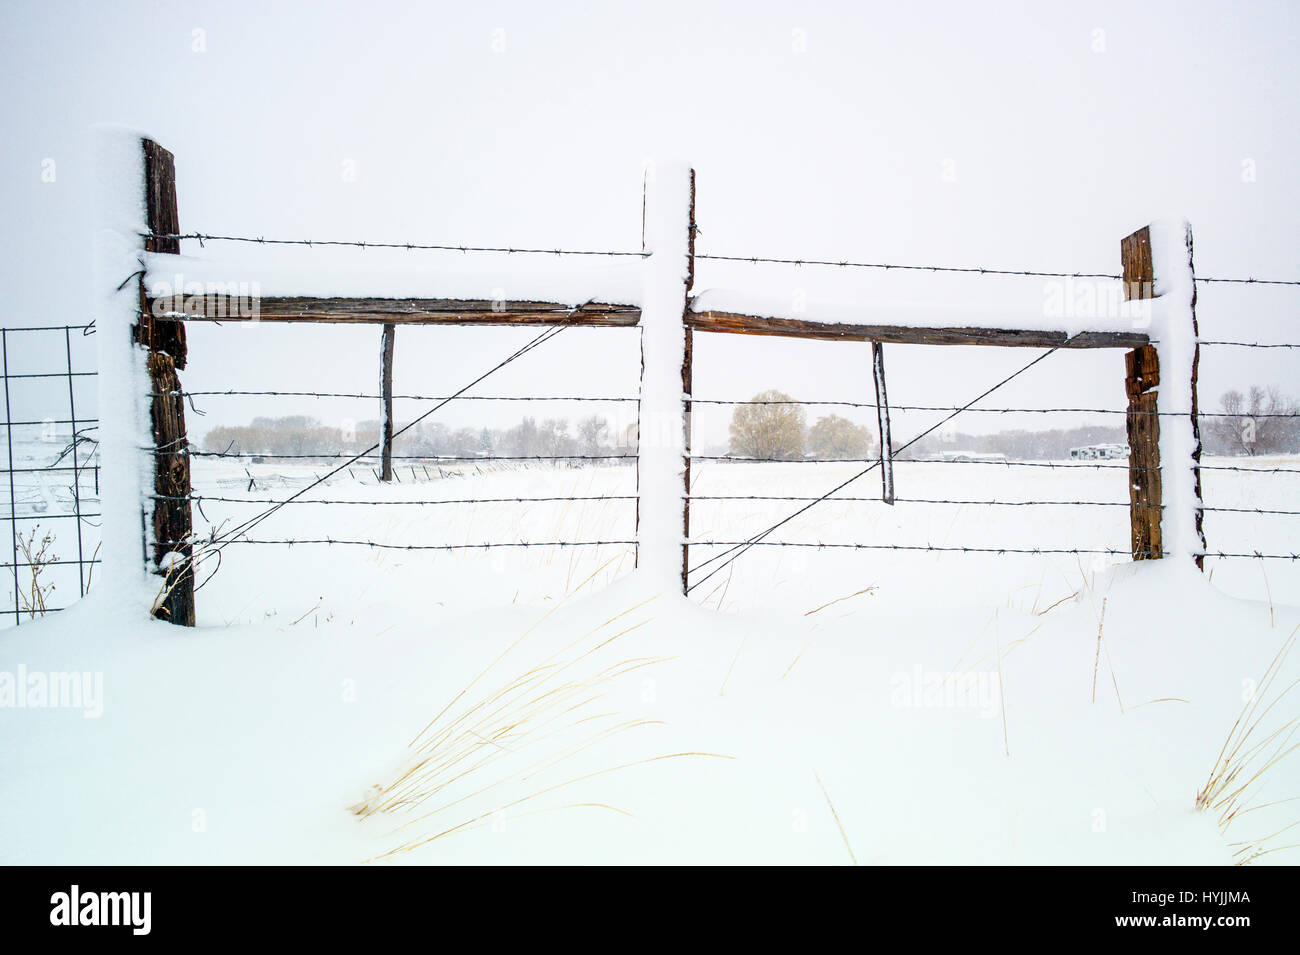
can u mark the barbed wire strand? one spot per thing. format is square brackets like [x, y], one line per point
[380, 545]
[1053, 465]
[892, 407]
[347, 394]
[203, 238]
[431, 458]
[1062, 465]
[974, 270]
[819, 545]
[985, 550]
[910, 500]
[466, 500]
[1204, 341]
[566, 498]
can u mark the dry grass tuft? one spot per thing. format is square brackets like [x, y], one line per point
[38, 557]
[1246, 757]
[501, 744]
[836, 816]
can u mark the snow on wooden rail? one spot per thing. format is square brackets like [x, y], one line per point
[742, 313]
[399, 311]
[143, 348]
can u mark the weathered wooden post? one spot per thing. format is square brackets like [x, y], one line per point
[164, 342]
[386, 385]
[688, 389]
[1161, 501]
[882, 419]
[1141, 378]
[663, 431]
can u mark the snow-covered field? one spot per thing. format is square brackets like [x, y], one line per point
[804, 705]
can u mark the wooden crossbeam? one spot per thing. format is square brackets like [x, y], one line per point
[736, 323]
[443, 311]
[387, 311]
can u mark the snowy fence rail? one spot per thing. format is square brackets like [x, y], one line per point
[51, 467]
[654, 292]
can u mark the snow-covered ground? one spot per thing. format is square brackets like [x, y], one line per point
[803, 706]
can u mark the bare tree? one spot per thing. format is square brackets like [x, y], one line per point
[1262, 421]
[592, 433]
[771, 427]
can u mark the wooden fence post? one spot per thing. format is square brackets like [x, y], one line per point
[688, 388]
[1142, 385]
[663, 449]
[386, 384]
[172, 523]
[1142, 376]
[1199, 513]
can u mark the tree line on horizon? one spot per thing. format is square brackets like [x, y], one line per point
[305, 435]
[771, 426]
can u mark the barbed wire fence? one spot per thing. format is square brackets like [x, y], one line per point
[668, 219]
[75, 463]
[734, 548]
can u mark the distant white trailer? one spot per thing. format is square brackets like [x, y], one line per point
[1094, 452]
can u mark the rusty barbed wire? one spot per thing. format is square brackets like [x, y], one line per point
[970, 270]
[423, 503]
[203, 237]
[1116, 552]
[381, 545]
[871, 405]
[359, 395]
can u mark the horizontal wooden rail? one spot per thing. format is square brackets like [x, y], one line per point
[387, 311]
[735, 323]
[438, 311]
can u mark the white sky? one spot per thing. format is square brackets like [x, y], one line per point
[1059, 139]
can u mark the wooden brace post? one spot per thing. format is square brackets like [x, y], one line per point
[386, 386]
[882, 418]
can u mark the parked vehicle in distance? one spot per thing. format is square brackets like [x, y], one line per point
[1095, 452]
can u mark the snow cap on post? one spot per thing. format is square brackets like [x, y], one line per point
[1175, 333]
[664, 424]
[124, 428]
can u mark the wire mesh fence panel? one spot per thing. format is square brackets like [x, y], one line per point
[50, 497]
